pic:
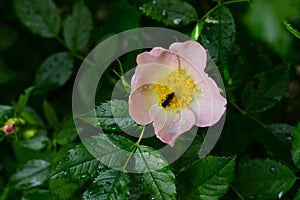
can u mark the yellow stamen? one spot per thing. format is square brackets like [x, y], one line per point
[175, 90]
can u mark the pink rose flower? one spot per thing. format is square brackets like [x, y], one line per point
[171, 90]
[9, 129]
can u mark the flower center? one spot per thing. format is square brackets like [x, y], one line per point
[175, 91]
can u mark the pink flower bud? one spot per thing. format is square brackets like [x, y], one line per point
[9, 129]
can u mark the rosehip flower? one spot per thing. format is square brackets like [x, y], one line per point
[9, 129]
[170, 89]
[12, 125]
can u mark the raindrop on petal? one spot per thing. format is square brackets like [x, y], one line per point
[183, 122]
[176, 117]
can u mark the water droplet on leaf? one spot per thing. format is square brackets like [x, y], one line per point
[272, 169]
[177, 21]
[280, 194]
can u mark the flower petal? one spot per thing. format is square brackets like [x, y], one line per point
[169, 126]
[192, 51]
[209, 105]
[140, 102]
[148, 74]
[159, 55]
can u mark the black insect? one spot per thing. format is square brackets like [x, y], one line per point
[168, 99]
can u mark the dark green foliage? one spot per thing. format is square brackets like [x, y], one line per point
[218, 35]
[271, 88]
[214, 177]
[109, 185]
[156, 177]
[54, 72]
[32, 174]
[41, 17]
[111, 116]
[105, 154]
[170, 12]
[296, 146]
[263, 179]
[77, 27]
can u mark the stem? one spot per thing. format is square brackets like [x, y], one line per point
[124, 82]
[248, 115]
[134, 148]
[239, 195]
[74, 54]
[141, 136]
[221, 4]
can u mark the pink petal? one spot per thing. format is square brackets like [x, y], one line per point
[148, 74]
[158, 55]
[140, 102]
[209, 105]
[169, 126]
[192, 51]
[8, 129]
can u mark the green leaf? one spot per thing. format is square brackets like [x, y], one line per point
[297, 196]
[81, 164]
[292, 30]
[170, 12]
[263, 179]
[197, 30]
[111, 116]
[5, 112]
[41, 17]
[23, 99]
[109, 185]
[54, 72]
[218, 35]
[264, 21]
[296, 146]
[77, 27]
[4, 109]
[111, 150]
[32, 174]
[77, 164]
[64, 188]
[38, 195]
[8, 37]
[67, 133]
[214, 177]
[271, 88]
[283, 132]
[157, 178]
[38, 142]
[50, 113]
[280, 135]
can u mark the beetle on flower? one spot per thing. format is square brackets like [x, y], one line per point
[171, 89]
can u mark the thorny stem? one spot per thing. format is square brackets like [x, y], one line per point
[221, 4]
[136, 145]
